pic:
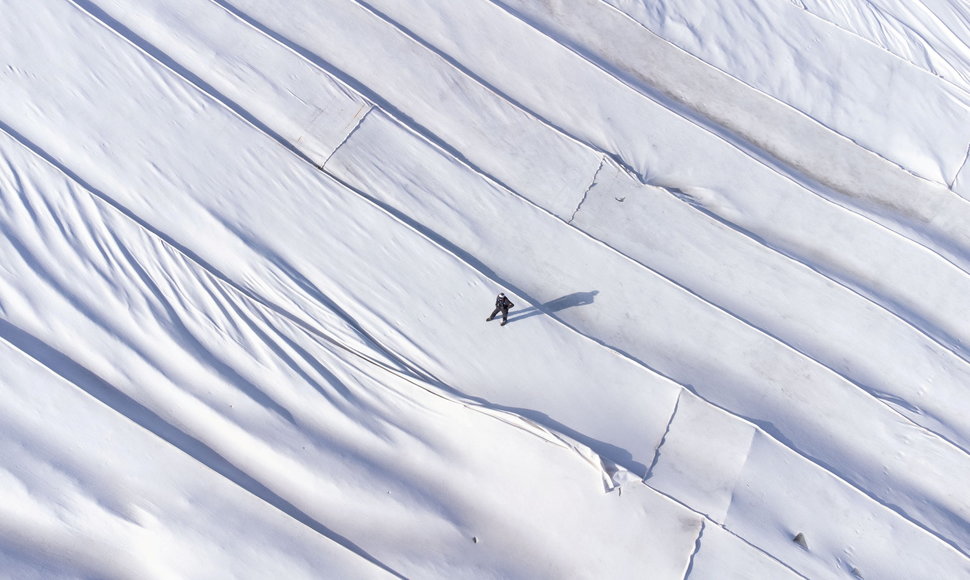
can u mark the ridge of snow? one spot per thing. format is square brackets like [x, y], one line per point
[248, 246]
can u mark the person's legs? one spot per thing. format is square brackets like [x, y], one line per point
[505, 315]
[492, 315]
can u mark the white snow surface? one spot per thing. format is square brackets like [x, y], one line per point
[249, 247]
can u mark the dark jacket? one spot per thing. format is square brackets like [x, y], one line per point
[503, 302]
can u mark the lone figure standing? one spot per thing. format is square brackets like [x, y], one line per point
[502, 304]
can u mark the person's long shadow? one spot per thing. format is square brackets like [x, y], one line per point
[553, 306]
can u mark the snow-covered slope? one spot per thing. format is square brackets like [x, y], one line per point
[249, 248]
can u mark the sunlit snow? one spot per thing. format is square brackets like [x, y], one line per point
[249, 248]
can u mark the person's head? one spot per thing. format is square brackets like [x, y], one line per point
[501, 294]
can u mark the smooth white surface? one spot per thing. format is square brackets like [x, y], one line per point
[248, 250]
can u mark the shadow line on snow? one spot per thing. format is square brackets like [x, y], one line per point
[207, 267]
[553, 306]
[304, 284]
[617, 455]
[84, 379]
[350, 82]
[769, 429]
[198, 82]
[791, 169]
[405, 119]
[624, 459]
[117, 400]
[105, 19]
[181, 334]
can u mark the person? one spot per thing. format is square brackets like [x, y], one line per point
[502, 304]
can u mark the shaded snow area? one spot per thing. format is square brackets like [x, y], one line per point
[249, 247]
